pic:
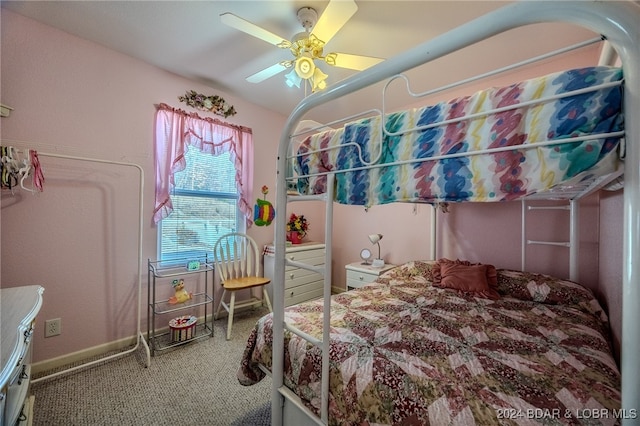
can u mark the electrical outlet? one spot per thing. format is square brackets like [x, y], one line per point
[52, 327]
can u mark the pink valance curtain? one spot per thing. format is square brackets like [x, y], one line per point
[176, 129]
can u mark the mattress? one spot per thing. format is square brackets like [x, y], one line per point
[431, 153]
[404, 351]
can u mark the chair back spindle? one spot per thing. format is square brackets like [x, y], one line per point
[238, 263]
[236, 257]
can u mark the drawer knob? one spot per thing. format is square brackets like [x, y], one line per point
[23, 375]
[291, 275]
[361, 277]
[27, 335]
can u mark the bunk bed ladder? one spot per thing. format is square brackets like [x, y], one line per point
[574, 241]
[325, 271]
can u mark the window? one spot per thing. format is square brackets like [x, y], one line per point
[212, 194]
[205, 207]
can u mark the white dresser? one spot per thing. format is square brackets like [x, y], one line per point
[18, 309]
[300, 284]
[359, 274]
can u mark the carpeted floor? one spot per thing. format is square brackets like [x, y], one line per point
[193, 384]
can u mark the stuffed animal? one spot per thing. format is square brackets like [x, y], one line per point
[181, 295]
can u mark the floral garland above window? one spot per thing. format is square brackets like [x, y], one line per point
[215, 104]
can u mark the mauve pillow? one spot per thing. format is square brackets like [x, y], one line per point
[461, 275]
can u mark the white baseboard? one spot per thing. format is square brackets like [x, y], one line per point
[117, 345]
[103, 349]
[337, 290]
[82, 355]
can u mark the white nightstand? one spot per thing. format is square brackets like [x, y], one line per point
[359, 275]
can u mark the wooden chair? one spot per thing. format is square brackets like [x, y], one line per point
[238, 263]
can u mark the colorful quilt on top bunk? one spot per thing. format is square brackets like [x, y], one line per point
[405, 352]
[498, 176]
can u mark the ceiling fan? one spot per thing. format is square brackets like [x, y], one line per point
[308, 45]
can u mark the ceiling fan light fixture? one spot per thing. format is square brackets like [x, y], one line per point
[305, 67]
[292, 79]
[319, 82]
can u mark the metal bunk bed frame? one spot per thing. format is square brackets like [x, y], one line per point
[617, 22]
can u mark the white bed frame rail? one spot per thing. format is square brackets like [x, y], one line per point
[619, 24]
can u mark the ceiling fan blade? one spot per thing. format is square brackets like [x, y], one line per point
[266, 73]
[352, 62]
[252, 29]
[337, 13]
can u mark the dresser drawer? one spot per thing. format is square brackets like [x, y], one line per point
[300, 284]
[356, 279]
[297, 277]
[359, 275]
[356, 283]
[17, 393]
[312, 257]
[303, 293]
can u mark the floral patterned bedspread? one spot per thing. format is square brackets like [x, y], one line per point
[406, 353]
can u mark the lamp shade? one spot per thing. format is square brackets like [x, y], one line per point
[292, 79]
[374, 238]
[305, 67]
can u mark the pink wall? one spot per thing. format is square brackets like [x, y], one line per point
[78, 238]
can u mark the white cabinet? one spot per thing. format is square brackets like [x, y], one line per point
[18, 310]
[300, 284]
[359, 275]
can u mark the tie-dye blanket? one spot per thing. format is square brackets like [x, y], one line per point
[498, 176]
[404, 352]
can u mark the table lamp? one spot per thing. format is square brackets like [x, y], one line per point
[375, 239]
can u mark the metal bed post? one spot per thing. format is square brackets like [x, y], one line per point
[326, 320]
[523, 239]
[434, 229]
[574, 240]
[619, 23]
[627, 47]
[277, 369]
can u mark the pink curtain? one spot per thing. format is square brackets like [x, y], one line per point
[175, 129]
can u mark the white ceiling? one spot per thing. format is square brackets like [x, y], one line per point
[188, 39]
